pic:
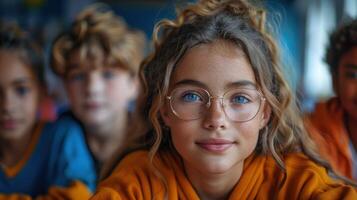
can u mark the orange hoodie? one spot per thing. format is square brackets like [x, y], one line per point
[134, 178]
[326, 127]
[77, 190]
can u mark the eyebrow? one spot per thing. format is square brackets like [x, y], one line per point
[351, 66]
[22, 80]
[242, 83]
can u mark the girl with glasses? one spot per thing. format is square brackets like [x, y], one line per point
[218, 118]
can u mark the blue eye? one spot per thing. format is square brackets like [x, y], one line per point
[108, 74]
[191, 97]
[239, 99]
[22, 91]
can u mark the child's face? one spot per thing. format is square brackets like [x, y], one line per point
[215, 142]
[98, 95]
[19, 97]
[347, 82]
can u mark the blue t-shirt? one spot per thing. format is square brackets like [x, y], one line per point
[60, 157]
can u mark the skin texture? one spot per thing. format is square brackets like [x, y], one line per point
[346, 89]
[215, 67]
[347, 82]
[19, 97]
[99, 96]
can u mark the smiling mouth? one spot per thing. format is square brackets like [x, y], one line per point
[216, 146]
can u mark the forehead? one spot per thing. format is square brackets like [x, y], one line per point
[216, 65]
[86, 56]
[12, 67]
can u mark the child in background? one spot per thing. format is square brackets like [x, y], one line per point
[219, 120]
[333, 124]
[38, 160]
[98, 59]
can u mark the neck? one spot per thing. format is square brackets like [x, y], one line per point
[215, 186]
[105, 139]
[12, 150]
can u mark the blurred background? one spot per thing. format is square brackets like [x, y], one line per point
[301, 26]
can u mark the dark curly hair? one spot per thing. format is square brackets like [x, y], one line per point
[340, 42]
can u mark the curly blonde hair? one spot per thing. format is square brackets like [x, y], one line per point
[97, 26]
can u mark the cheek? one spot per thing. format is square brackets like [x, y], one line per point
[31, 105]
[74, 93]
[118, 91]
[248, 134]
[183, 133]
[347, 89]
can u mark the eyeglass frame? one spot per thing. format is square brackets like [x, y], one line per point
[262, 99]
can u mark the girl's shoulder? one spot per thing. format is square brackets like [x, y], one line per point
[299, 163]
[308, 179]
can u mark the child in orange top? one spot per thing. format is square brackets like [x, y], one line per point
[98, 59]
[218, 117]
[334, 122]
[37, 159]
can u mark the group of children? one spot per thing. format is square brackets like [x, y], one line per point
[214, 116]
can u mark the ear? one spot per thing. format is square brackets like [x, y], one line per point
[265, 117]
[165, 115]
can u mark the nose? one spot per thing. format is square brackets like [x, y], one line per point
[94, 84]
[215, 117]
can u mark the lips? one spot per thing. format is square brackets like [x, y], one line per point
[215, 145]
[8, 123]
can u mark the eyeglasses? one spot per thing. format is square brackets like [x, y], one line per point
[239, 104]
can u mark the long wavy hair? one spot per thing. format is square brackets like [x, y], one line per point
[242, 24]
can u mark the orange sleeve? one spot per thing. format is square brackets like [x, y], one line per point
[308, 180]
[319, 140]
[341, 192]
[326, 127]
[14, 197]
[106, 194]
[77, 190]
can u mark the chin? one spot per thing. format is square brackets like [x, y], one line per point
[217, 167]
[11, 135]
[93, 120]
